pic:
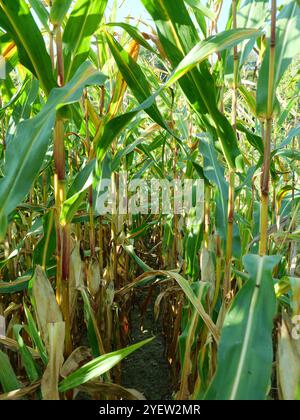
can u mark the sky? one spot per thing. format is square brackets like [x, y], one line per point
[136, 9]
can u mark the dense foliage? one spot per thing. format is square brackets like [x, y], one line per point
[84, 98]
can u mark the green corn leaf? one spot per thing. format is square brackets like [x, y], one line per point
[27, 359]
[196, 4]
[185, 51]
[16, 19]
[287, 42]
[111, 129]
[27, 149]
[201, 52]
[187, 289]
[215, 174]
[251, 14]
[134, 78]
[59, 9]
[93, 332]
[222, 41]
[257, 143]
[3, 226]
[254, 140]
[295, 131]
[77, 192]
[41, 12]
[130, 250]
[98, 366]
[188, 337]
[286, 112]
[178, 35]
[245, 353]
[134, 33]
[44, 249]
[8, 378]
[290, 154]
[14, 286]
[35, 335]
[35, 230]
[156, 168]
[249, 98]
[81, 178]
[124, 152]
[82, 24]
[14, 99]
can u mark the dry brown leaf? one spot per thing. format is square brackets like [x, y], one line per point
[79, 357]
[93, 278]
[17, 394]
[46, 307]
[111, 391]
[55, 348]
[288, 364]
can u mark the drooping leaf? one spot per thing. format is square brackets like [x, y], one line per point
[295, 131]
[16, 19]
[27, 149]
[188, 291]
[98, 366]
[134, 78]
[185, 51]
[134, 33]
[78, 357]
[222, 41]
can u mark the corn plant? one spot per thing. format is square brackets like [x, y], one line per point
[85, 98]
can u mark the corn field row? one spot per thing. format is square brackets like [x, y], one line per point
[170, 99]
